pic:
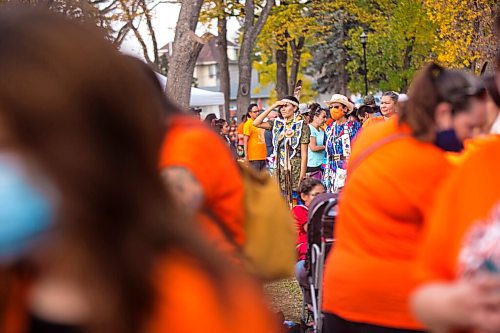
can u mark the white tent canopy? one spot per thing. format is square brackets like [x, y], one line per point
[199, 97]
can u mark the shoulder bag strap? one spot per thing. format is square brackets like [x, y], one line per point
[371, 149]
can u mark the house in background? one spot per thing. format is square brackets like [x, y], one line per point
[207, 74]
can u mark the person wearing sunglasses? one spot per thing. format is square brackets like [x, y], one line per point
[254, 141]
[339, 135]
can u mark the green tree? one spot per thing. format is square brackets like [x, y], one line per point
[285, 41]
[329, 54]
[400, 41]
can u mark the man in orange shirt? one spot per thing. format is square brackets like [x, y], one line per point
[367, 115]
[254, 140]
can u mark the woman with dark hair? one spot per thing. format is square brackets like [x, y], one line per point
[209, 118]
[222, 128]
[458, 289]
[483, 133]
[394, 172]
[102, 245]
[316, 150]
[290, 140]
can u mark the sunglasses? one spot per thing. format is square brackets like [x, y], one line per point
[336, 107]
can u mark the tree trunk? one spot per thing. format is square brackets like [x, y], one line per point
[407, 61]
[343, 77]
[186, 48]
[281, 55]
[294, 68]
[251, 29]
[225, 84]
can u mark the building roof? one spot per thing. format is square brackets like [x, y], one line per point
[208, 53]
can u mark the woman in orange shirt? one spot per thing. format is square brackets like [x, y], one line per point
[81, 128]
[459, 260]
[395, 169]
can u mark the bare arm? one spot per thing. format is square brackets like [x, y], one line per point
[469, 305]
[314, 146]
[259, 121]
[184, 187]
[245, 146]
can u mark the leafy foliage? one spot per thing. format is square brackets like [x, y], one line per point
[465, 31]
[399, 43]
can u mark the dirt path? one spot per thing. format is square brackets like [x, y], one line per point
[285, 295]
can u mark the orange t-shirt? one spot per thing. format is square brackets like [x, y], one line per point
[468, 201]
[190, 303]
[470, 146]
[239, 130]
[256, 141]
[196, 147]
[381, 211]
[373, 120]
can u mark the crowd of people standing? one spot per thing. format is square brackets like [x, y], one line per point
[294, 141]
[123, 214]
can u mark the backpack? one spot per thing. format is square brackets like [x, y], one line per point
[270, 235]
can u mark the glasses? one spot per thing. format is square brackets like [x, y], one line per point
[336, 107]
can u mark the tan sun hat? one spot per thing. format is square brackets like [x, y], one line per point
[338, 98]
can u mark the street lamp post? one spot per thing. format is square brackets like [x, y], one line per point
[364, 39]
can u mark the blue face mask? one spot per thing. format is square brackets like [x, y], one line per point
[448, 141]
[26, 211]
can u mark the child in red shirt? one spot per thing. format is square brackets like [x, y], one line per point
[308, 189]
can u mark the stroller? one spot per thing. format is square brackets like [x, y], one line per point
[322, 215]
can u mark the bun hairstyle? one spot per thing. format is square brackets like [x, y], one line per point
[315, 110]
[433, 85]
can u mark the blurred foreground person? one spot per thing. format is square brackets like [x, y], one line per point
[99, 245]
[488, 131]
[459, 291]
[204, 178]
[394, 172]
